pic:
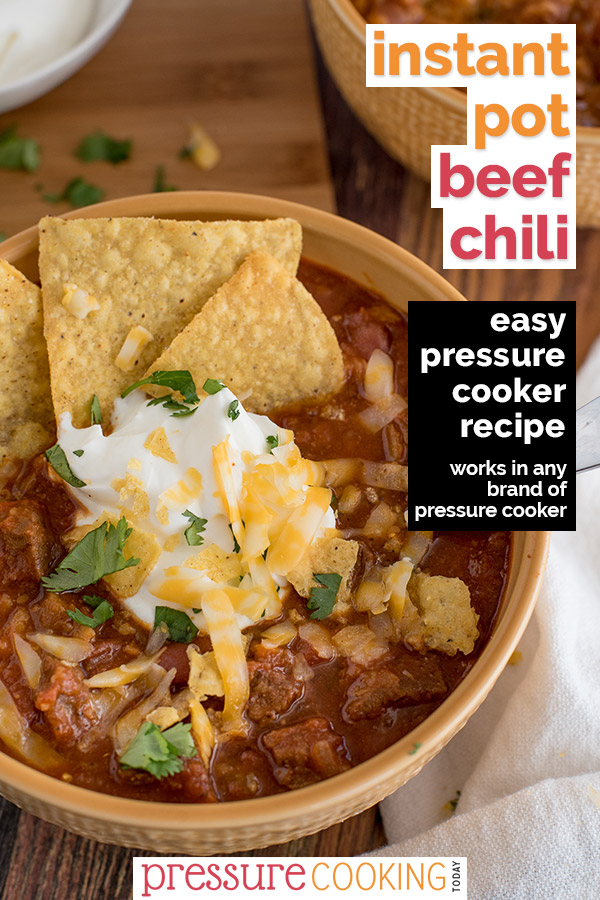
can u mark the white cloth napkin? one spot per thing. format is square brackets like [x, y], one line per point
[528, 762]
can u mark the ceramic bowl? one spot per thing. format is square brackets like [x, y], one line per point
[104, 21]
[224, 828]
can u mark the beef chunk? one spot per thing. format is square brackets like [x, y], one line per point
[414, 680]
[273, 687]
[366, 332]
[306, 752]
[27, 548]
[65, 701]
[196, 781]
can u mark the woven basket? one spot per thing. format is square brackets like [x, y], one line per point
[407, 121]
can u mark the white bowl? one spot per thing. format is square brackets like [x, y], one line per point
[104, 21]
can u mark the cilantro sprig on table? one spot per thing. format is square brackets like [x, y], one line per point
[97, 554]
[103, 611]
[57, 458]
[181, 628]
[100, 147]
[193, 533]
[160, 183]
[17, 152]
[322, 598]
[159, 753]
[78, 192]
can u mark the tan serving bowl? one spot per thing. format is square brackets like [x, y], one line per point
[407, 121]
[224, 828]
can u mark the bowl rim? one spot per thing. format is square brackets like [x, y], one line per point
[359, 781]
[87, 42]
[452, 98]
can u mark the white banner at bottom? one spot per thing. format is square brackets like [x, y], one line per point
[306, 877]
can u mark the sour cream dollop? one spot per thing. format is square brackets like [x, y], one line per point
[216, 464]
[33, 33]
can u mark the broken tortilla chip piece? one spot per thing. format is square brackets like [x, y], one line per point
[325, 556]
[264, 336]
[152, 273]
[140, 544]
[26, 414]
[449, 622]
[219, 565]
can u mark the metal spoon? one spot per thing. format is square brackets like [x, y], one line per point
[587, 433]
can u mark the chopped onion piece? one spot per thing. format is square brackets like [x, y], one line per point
[380, 521]
[279, 635]
[379, 377]
[391, 476]
[301, 669]
[19, 737]
[67, 648]
[30, 661]
[157, 640]
[372, 595]
[360, 644]
[416, 545]
[128, 725]
[318, 637]
[387, 475]
[122, 675]
[375, 417]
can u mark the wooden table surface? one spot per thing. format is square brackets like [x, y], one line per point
[215, 63]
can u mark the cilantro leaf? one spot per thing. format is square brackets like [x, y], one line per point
[102, 613]
[93, 600]
[77, 192]
[57, 459]
[233, 410]
[159, 182]
[3, 236]
[99, 146]
[193, 534]
[98, 554]
[322, 598]
[78, 452]
[161, 754]
[169, 402]
[18, 153]
[272, 441]
[178, 380]
[179, 737]
[181, 628]
[236, 546]
[95, 412]
[212, 386]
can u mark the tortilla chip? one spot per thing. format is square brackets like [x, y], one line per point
[26, 415]
[219, 565]
[327, 555]
[140, 544]
[261, 333]
[444, 604]
[143, 272]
